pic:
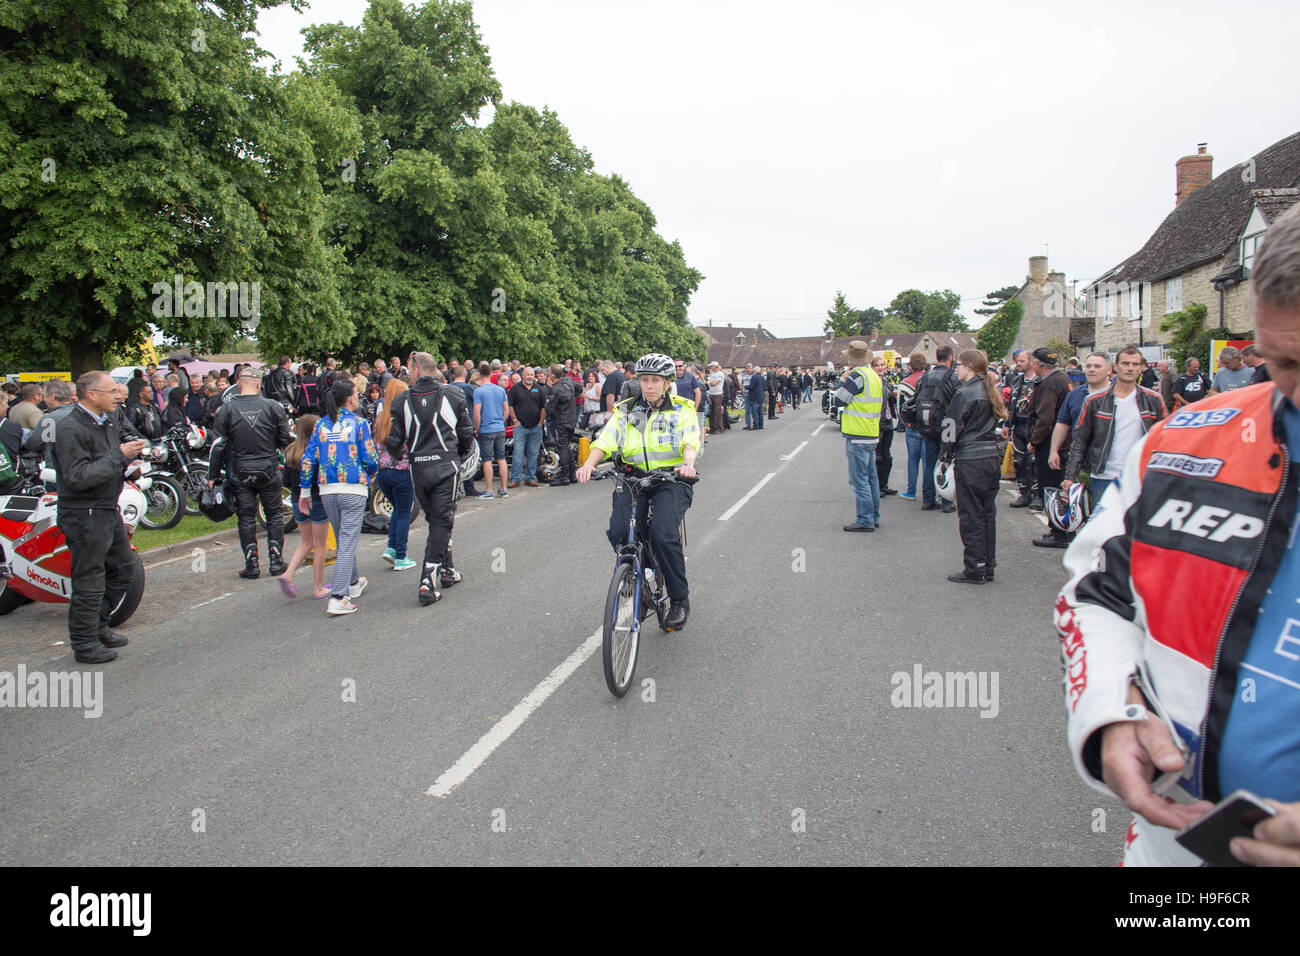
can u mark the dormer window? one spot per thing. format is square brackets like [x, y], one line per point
[1249, 246]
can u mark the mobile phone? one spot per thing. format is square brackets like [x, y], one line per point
[1234, 816]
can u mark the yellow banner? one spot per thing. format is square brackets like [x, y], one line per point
[890, 357]
[43, 376]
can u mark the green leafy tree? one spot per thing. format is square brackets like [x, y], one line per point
[928, 311]
[996, 336]
[140, 142]
[893, 325]
[994, 301]
[841, 318]
[1190, 338]
[869, 320]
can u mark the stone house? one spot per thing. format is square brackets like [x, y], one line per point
[1201, 252]
[816, 350]
[1050, 308]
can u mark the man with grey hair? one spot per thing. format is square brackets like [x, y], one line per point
[1191, 599]
[1233, 372]
[59, 403]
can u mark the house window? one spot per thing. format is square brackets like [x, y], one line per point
[1135, 302]
[888, 342]
[1108, 308]
[1174, 295]
[1249, 246]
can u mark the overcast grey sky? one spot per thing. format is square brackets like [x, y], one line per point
[797, 148]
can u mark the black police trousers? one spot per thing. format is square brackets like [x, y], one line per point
[102, 566]
[884, 456]
[671, 500]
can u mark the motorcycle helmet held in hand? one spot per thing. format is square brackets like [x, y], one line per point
[944, 481]
[469, 464]
[215, 505]
[1066, 510]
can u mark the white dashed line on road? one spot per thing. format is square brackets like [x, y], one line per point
[820, 427]
[473, 758]
[214, 600]
[726, 515]
[793, 453]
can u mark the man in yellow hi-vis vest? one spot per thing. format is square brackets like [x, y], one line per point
[656, 431]
[861, 398]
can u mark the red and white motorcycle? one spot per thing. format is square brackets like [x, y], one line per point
[35, 564]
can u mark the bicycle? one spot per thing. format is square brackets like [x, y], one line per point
[637, 586]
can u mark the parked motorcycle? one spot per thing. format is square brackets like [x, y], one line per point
[35, 564]
[185, 463]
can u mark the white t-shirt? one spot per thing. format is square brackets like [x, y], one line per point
[1128, 430]
[715, 383]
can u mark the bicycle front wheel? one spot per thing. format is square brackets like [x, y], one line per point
[622, 630]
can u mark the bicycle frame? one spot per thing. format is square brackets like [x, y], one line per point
[634, 548]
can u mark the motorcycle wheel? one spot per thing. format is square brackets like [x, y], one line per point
[290, 523]
[11, 600]
[380, 505]
[166, 504]
[134, 592]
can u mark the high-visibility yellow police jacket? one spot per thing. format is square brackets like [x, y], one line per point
[651, 438]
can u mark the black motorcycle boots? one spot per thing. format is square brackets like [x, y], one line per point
[251, 570]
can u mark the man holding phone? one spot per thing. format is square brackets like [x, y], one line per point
[1179, 626]
[91, 460]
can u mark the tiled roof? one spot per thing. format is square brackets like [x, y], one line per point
[1273, 203]
[1211, 219]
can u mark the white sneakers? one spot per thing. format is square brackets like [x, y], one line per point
[344, 605]
[340, 606]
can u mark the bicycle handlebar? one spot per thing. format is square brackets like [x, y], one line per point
[643, 478]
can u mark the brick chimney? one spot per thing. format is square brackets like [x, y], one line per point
[1056, 277]
[1193, 172]
[1038, 269]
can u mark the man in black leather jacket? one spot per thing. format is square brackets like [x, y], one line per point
[250, 431]
[562, 412]
[279, 385]
[432, 420]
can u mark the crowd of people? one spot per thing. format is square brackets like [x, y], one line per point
[1173, 496]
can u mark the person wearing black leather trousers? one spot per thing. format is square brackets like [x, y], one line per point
[970, 443]
[888, 423]
[250, 432]
[562, 411]
[1045, 406]
[432, 420]
[1017, 429]
[91, 459]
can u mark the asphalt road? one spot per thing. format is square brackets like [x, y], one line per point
[769, 733]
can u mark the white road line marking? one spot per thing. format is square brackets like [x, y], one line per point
[820, 427]
[213, 600]
[795, 452]
[473, 758]
[726, 515]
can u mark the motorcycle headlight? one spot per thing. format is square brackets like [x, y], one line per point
[130, 514]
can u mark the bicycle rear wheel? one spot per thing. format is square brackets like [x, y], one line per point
[622, 629]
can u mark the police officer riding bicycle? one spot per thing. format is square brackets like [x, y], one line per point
[657, 431]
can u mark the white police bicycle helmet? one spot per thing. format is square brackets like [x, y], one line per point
[655, 363]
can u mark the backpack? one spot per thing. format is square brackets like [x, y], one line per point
[907, 404]
[927, 408]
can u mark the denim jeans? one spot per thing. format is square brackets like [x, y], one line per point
[1096, 488]
[753, 413]
[807, 393]
[863, 479]
[915, 449]
[928, 493]
[528, 445]
[396, 485]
